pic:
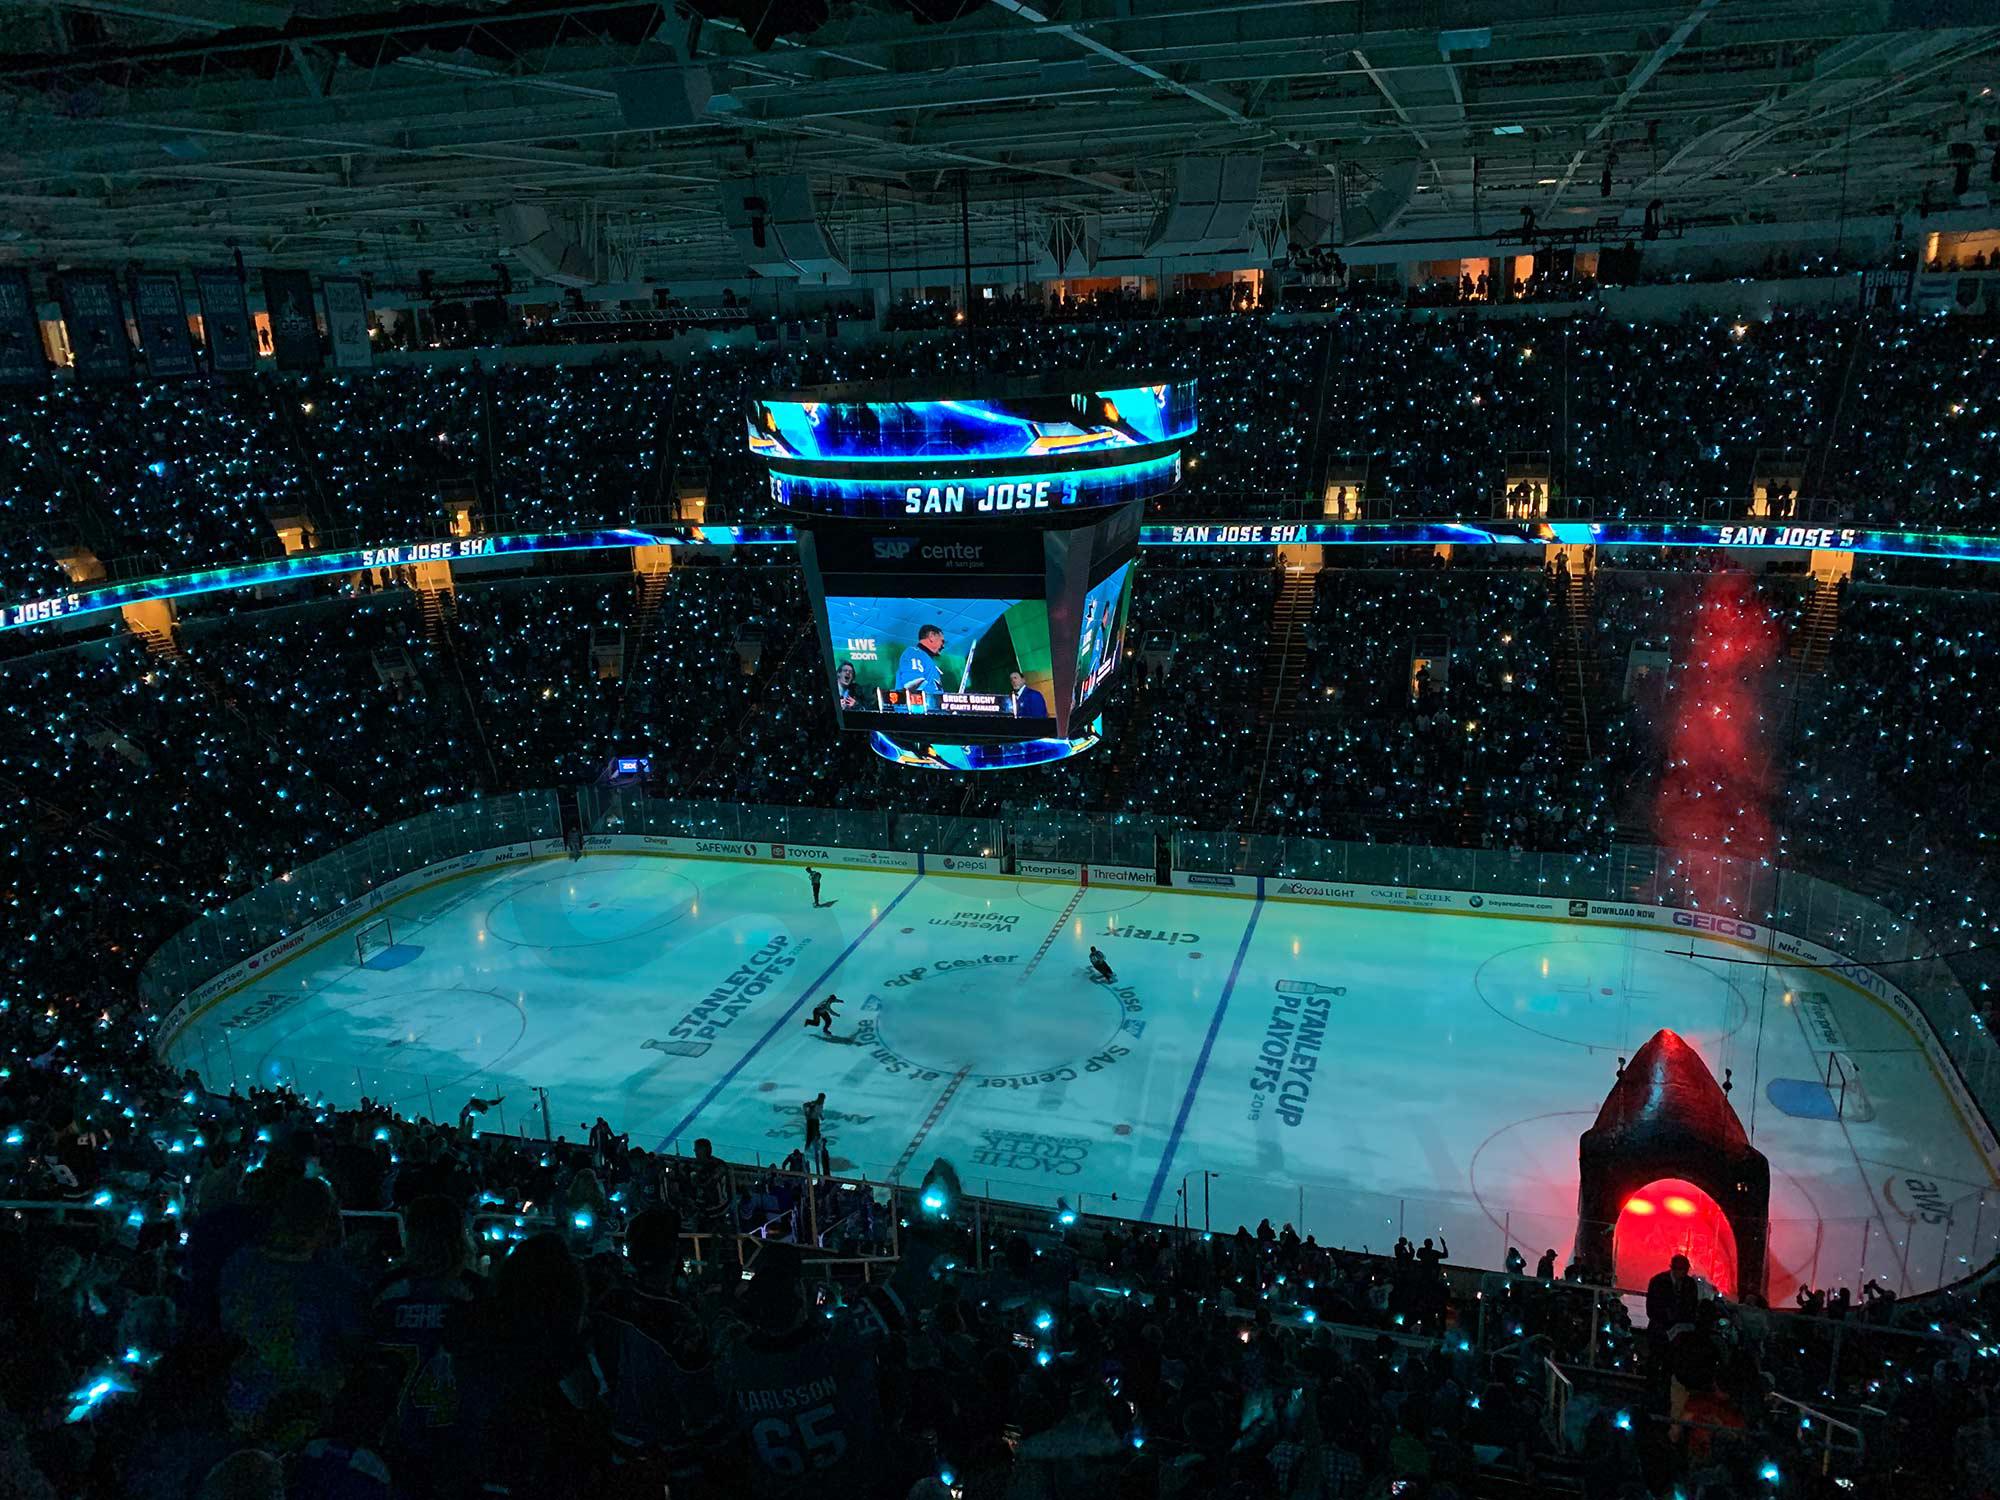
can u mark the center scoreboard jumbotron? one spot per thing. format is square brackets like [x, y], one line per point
[971, 559]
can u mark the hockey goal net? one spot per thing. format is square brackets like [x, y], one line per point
[1843, 1088]
[372, 939]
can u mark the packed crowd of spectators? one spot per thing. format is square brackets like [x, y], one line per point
[1465, 703]
[201, 1322]
[1450, 706]
[1892, 418]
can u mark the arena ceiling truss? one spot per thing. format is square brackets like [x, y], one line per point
[388, 140]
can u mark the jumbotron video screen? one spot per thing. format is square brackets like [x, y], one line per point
[972, 632]
[972, 560]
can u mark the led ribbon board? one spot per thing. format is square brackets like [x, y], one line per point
[990, 455]
[48, 608]
[1751, 536]
[1008, 756]
[927, 490]
[1939, 546]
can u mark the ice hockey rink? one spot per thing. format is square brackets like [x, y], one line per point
[1357, 1072]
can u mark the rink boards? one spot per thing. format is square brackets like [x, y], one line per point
[1446, 1082]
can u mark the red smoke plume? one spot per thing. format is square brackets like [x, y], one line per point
[1716, 789]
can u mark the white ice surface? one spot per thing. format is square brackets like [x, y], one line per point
[1453, 1076]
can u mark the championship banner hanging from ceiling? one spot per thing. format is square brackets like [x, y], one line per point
[288, 302]
[225, 320]
[21, 358]
[160, 312]
[347, 323]
[94, 318]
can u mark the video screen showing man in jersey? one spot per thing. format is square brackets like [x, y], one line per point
[956, 657]
[918, 676]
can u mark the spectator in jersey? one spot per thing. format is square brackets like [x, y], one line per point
[292, 1304]
[1028, 702]
[802, 1388]
[416, 1299]
[659, 1366]
[236, 1212]
[507, 1402]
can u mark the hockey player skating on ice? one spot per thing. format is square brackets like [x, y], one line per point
[822, 1016]
[813, 876]
[815, 1111]
[1097, 962]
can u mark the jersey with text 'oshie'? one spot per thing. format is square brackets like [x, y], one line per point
[807, 1402]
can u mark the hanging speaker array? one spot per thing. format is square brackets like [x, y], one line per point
[1210, 210]
[548, 249]
[777, 230]
[1374, 211]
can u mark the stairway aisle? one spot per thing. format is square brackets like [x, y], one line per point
[1577, 666]
[1284, 667]
[1822, 618]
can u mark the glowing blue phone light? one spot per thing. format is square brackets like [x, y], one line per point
[94, 1395]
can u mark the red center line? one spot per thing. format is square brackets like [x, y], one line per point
[1054, 932]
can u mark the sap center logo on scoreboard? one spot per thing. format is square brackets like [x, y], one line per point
[905, 549]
